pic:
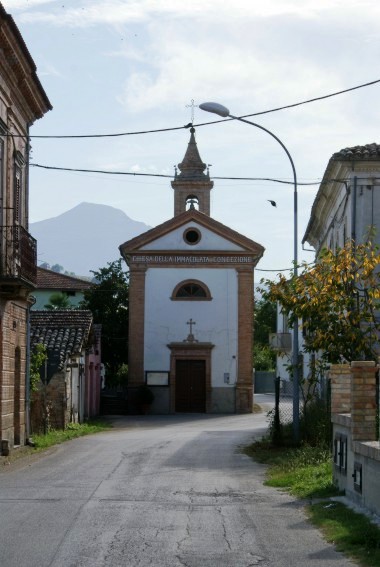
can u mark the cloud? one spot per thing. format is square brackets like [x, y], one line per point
[116, 12]
[11, 5]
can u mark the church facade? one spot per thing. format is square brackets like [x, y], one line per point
[191, 304]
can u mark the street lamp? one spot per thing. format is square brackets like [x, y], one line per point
[221, 110]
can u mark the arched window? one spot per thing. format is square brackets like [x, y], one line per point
[191, 290]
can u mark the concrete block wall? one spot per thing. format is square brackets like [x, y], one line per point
[355, 435]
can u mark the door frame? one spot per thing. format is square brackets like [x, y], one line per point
[190, 351]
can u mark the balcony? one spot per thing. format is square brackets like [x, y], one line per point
[18, 259]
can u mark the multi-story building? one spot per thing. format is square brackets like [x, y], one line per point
[22, 101]
[346, 207]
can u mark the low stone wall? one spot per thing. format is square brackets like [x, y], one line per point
[50, 408]
[356, 452]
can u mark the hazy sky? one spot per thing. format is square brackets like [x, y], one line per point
[112, 66]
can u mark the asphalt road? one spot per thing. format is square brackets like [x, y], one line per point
[162, 491]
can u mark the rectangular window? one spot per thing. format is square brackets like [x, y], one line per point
[357, 476]
[340, 453]
[17, 194]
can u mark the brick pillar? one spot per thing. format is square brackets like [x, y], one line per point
[340, 377]
[244, 389]
[136, 326]
[363, 396]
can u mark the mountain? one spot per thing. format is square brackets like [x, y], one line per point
[84, 238]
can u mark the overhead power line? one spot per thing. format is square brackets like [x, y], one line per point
[133, 173]
[119, 134]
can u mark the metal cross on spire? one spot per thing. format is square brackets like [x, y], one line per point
[192, 106]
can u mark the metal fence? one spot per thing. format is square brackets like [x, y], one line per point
[310, 403]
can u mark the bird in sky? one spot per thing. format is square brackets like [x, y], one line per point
[273, 203]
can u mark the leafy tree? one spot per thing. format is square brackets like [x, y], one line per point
[264, 324]
[337, 301]
[264, 357]
[265, 320]
[57, 268]
[108, 300]
[58, 300]
[37, 360]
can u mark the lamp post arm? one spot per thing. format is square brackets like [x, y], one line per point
[296, 427]
[295, 256]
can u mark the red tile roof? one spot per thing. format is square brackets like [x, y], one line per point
[47, 279]
[63, 332]
[366, 152]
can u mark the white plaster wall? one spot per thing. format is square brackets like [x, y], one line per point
[209, 241]
[216, 320]
[338, 220]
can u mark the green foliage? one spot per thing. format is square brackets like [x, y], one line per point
[264, 323]
[73, 430]
[336, 301]
[304, 471]
[265, 320]
[352, 533]
[315, 426]
[108, 300]
[264, 358]
[122, 374]
[58, 300]
[37, 359]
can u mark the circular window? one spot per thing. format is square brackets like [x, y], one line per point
[192, 236]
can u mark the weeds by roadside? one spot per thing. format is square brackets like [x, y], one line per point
[353, 534]
[54, 437]
[73, 430]
[306, 472]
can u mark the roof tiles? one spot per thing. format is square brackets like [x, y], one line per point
[366, 152]
[47, 279]
[63, 332]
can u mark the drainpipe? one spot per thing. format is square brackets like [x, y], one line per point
[31, 301]
[353, 211]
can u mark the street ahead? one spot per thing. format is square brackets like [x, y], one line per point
[155, 491]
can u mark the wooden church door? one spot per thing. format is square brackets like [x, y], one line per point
[190, 386]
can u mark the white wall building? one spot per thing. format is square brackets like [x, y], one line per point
[347, 207]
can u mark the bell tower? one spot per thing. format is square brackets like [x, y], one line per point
[192, 186]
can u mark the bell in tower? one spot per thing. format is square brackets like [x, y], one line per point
[192, 186]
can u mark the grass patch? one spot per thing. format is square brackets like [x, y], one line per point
[353, 534]
[73, 430]
[305, 472]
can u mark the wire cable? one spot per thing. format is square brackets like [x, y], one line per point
[133, 173]
[115, 135]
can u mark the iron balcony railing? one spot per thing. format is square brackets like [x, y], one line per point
[18, 255]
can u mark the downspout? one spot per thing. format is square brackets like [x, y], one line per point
[353, 211]
[31, 301]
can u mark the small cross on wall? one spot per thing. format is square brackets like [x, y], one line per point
[190, 336]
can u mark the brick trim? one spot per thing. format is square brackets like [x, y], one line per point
[136, 326]
[244, 389]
